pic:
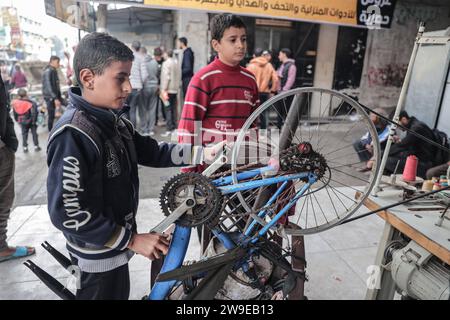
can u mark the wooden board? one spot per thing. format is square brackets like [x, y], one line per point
[419, 226]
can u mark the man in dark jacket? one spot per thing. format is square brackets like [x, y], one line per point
[411, 145]
[51, 90]
[8, 145]
[187, 64]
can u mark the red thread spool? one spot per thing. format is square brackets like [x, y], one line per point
[410, 171]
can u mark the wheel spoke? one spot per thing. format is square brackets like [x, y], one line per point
[302, 111]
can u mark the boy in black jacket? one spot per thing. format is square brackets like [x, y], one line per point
[93, 184]
[26, 113]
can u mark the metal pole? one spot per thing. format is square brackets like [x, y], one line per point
[401, 102]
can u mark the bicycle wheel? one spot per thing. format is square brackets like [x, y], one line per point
[331, 125]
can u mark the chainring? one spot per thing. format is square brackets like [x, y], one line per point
[208, 199]
[301, 158]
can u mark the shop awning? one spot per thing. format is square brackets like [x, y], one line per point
[365, 13]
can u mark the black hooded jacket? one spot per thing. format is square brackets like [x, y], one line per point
[50, 83]
[187, 65]
[412, 145]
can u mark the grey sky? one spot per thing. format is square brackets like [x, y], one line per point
[35, 10]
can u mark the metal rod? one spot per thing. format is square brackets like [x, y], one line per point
[62, 259]
[50, 282]
[400, 104]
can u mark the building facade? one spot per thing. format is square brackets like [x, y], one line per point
[368, 64]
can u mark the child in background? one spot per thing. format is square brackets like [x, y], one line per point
[26, 114]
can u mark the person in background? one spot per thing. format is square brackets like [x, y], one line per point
[18, 80]
[170, 82]
[266, 78]
[187, 64]
[437, 171]
[268, 55]
[8, 147]
[411, 145]
[137, 78]
[150, 93]
[364, 146]
[69, 70]
[5, 75]
[51, 90]
[286, 75]
[26, 114]
[160, 110]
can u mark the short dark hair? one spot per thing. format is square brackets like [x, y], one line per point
[22, 93]
[53, 58]
[221, 22]
[136, 45]
[170, 53]
[96, 51]
[258, 52]
[287, 52]
[183, 40]
[403, 114]
[157, 52]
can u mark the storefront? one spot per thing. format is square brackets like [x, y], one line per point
[359, 47]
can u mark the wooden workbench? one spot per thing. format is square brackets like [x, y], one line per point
[419, 226]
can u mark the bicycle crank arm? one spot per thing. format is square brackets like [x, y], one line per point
[172, 218]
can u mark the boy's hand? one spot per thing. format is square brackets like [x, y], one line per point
[57, 103]
[210, 153]
[150, 245]
[274, 162]
[395, 139]
[164, 95]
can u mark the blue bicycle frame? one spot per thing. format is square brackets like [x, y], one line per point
[181, 235]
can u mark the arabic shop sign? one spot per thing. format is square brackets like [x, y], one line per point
[370, 13]
[375, 13]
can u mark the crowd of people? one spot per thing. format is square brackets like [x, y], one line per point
[156, 81]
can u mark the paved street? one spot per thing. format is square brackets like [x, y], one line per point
[337, 259]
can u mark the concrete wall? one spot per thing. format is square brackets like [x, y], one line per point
[324, 69]
[152, 32]
[194, 26]
[388, 50]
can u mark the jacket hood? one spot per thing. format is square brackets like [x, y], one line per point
[289, 60]
[106, 118]
[261, 61]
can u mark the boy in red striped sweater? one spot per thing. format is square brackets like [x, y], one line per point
[222, 95]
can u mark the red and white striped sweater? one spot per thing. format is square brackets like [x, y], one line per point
[218, 101]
